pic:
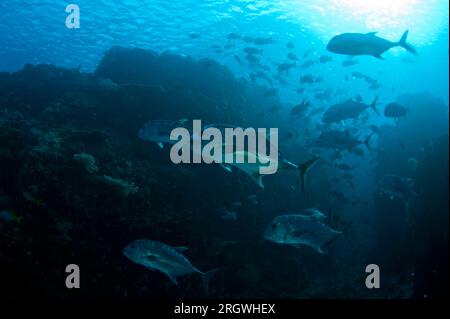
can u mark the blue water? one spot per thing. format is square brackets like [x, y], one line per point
[48, 115]
[35, 32]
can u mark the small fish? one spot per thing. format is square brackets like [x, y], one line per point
[155, 255]
[296, 230]
[325, 59]
[300, 109]
[396, 186]
[395, 110]
[308, 64]
[374, 86]
[348, 63]
[290, 45]
[349, 109]
[326, 95]
[252, 59]
[307, 53]
[308, 78]
[271, 92]
[274, 108]
[292, 56]
[340, 140]
[252, 51]
[358, 75]
[263, 41]
[248, 39]
[194, 35]
[228, 214]
[285, 67]
[233, 36]
[289, 135]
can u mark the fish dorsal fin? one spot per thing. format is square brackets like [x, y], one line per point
[183, 121]
[180, 249]
[372, 33]
[258, 179]
[317, 216]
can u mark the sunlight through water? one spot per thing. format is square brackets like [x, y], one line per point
[425, 19]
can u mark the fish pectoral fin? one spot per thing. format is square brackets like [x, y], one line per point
[172, 279]
[295, 246]
[181, 248]
[161, 145]
[378, 56]
[257, 178]
[318, 249]
[226, 167]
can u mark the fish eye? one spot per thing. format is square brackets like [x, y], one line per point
[274, 226]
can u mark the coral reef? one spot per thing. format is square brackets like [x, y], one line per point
[72, 165]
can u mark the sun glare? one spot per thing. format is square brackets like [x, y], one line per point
[425, 19]
[389, 8]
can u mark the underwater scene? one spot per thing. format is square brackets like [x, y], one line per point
[224, 149]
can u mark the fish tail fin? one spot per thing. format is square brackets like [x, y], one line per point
[367, 143]
[304, 168]
[374, 105]
[406, 45]
[206, 277]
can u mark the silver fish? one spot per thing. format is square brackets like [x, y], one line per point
[396, 186]
[349, 109]
[340, 140]
[158, 131]
[365, 44]
[155, 255]
[296, 230]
